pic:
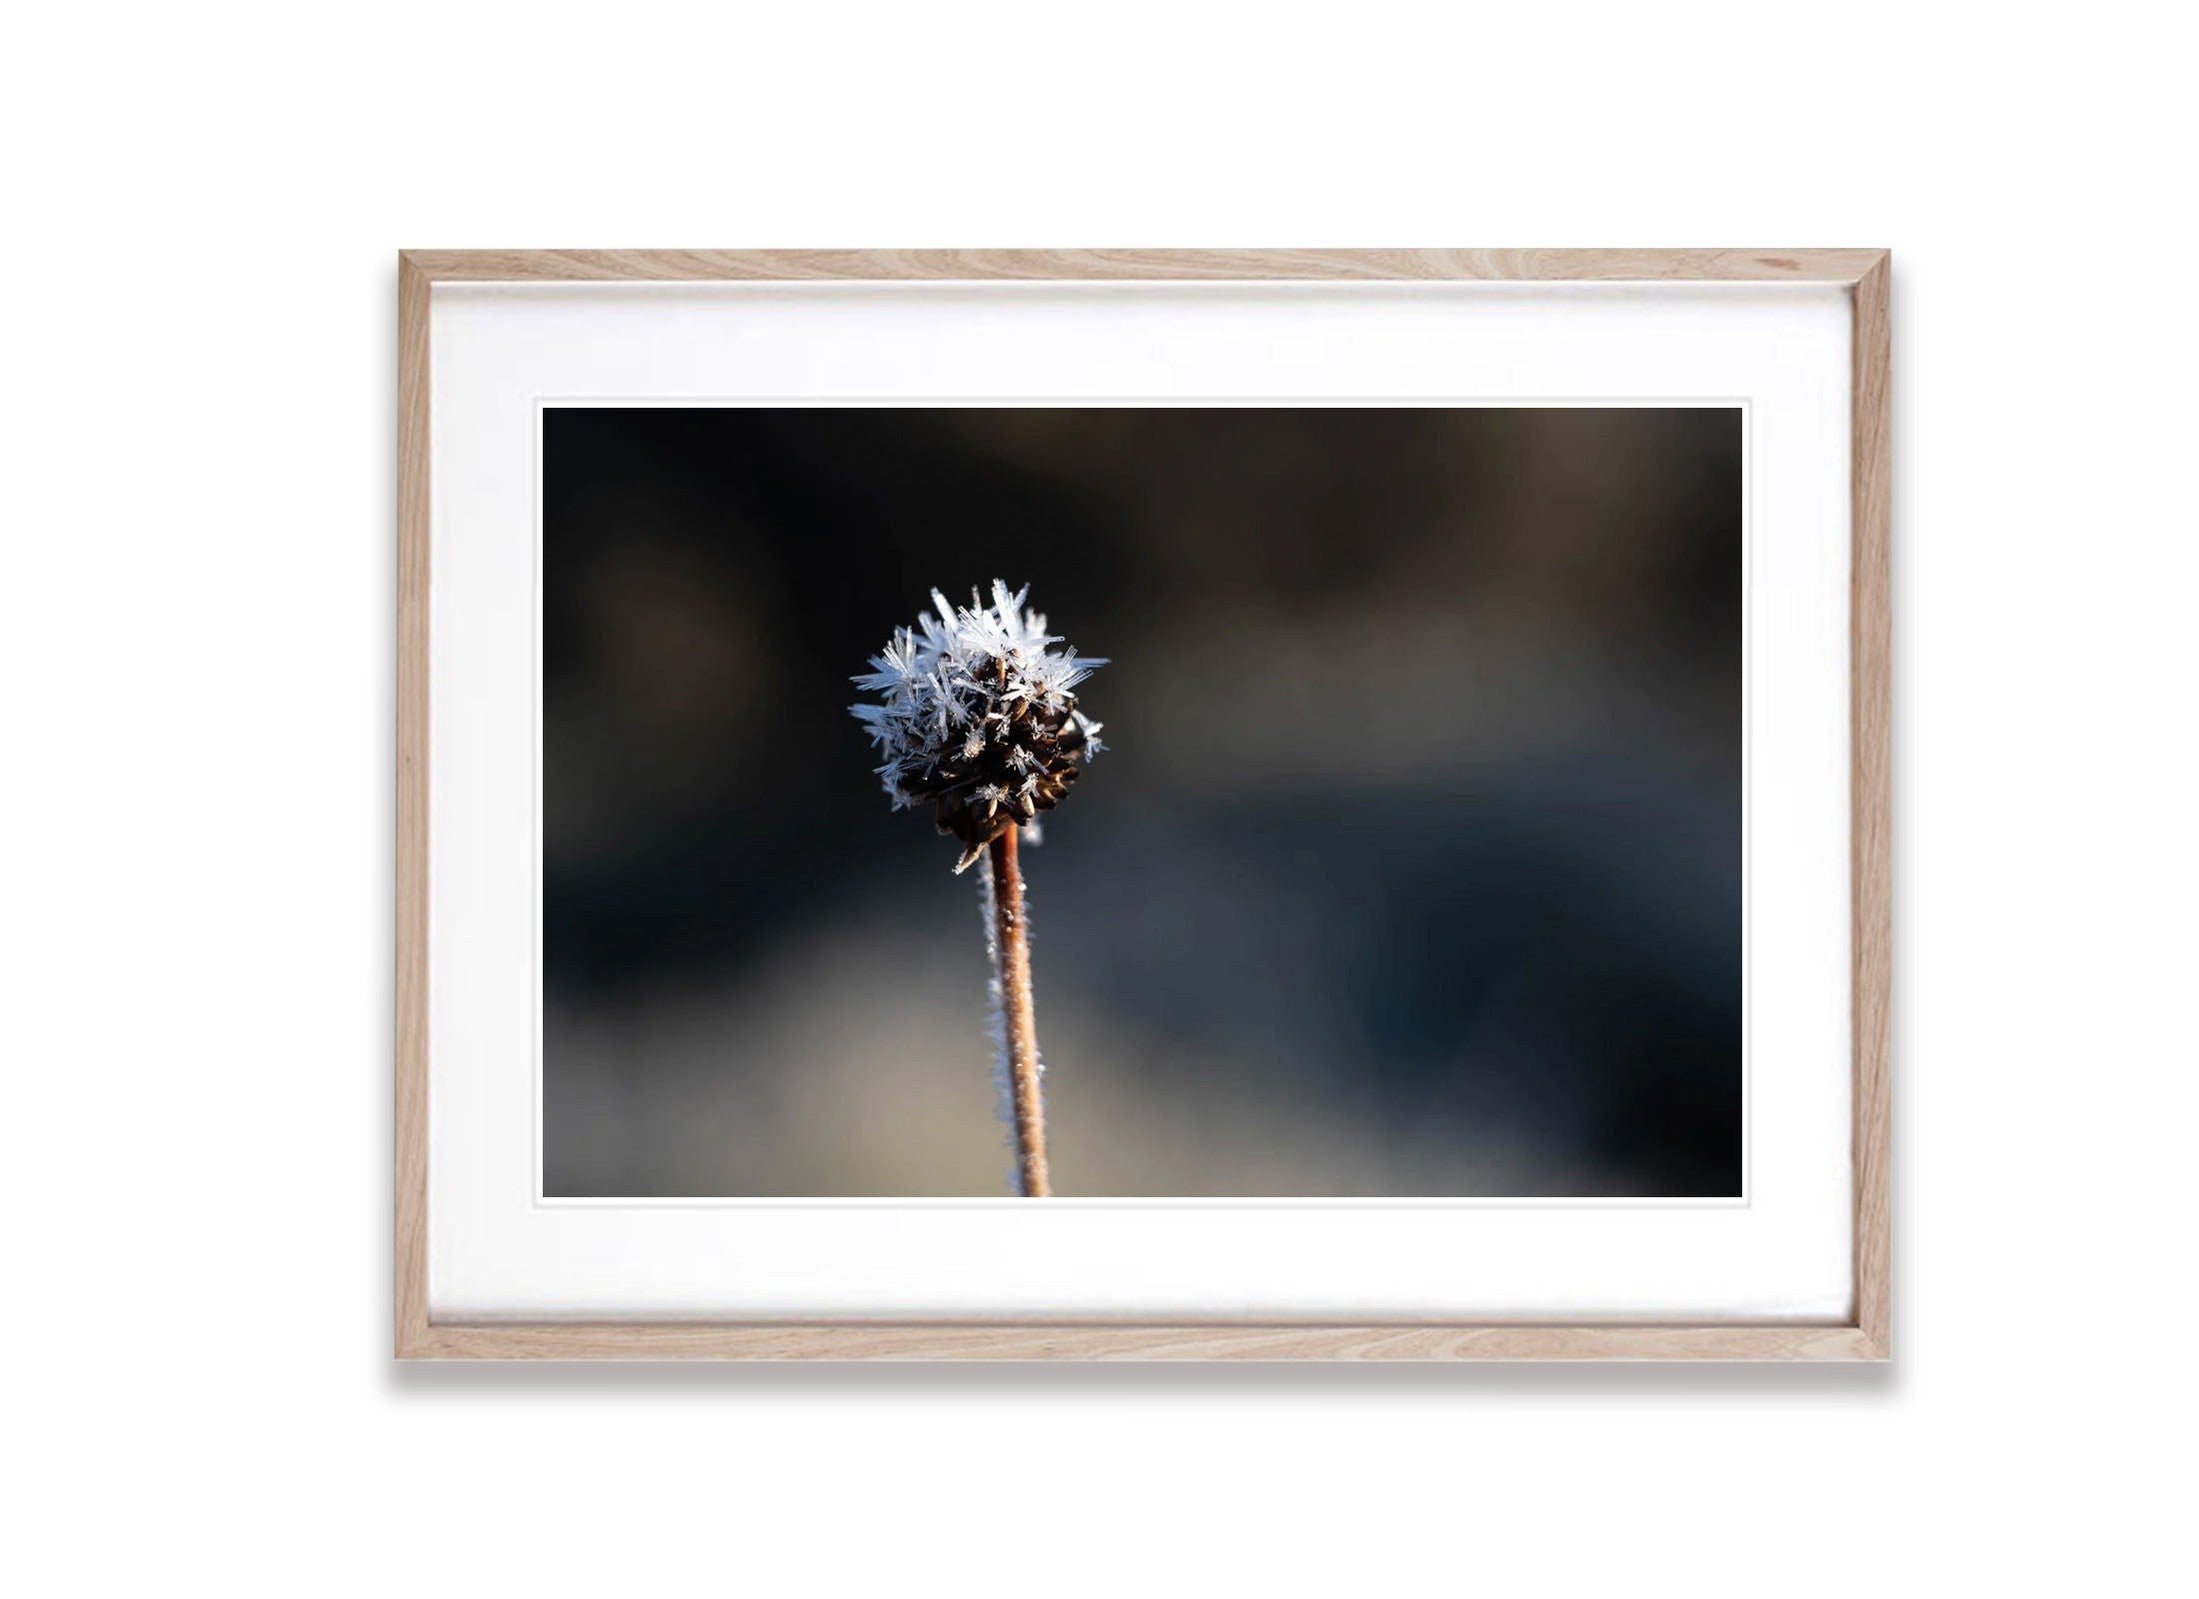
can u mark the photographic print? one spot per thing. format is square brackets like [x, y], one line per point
[1188, 801]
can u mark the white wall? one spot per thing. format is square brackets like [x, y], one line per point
[195, 620]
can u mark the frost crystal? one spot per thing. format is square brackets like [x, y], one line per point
[977, 714]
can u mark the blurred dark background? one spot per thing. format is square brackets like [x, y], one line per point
[1413, 866]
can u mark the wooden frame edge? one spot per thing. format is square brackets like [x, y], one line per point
[1019, 1341]
[1870, 776]
[1123, 266]
[410, 1255]
[1867, 1337]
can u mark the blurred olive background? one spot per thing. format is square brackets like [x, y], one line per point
[1413, 866]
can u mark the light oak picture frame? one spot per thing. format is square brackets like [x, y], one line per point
[1864, 1335]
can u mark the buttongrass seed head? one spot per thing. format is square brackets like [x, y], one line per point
[977, 716]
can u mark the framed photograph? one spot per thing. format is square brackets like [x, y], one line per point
[1265, 804]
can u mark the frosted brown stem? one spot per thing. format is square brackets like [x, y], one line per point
[1012, 949]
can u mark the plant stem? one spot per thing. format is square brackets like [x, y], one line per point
[1012, 953]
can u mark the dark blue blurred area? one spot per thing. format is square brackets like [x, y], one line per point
[1413, 867]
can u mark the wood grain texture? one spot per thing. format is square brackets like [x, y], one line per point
[1130, 266]
[411, 1252]
[1065, 1341]
[1870, 668]
[1865, 1337]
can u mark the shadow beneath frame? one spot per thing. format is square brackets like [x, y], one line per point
[1494, 1380]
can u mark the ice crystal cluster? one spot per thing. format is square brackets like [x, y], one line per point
[977, 716]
